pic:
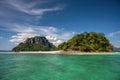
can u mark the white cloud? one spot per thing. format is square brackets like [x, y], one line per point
[18, 28]
[54, 35]
[115, 38]
[30, 8]
[47, 29]
[27, 11]
[41, 11]
[51, 38]
[21, 37]
[114, 33]
[56, 43]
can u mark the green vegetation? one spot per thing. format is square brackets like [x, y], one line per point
[35, 44]
[33, 47]
[87, 42]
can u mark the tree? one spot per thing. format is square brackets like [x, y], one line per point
[87, 42]
[37, 43]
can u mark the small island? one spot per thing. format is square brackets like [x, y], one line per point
[37, 43]
[87, 42]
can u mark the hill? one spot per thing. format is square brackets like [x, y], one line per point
[87, 42]
[37, 43]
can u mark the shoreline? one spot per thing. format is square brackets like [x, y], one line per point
[61, 52]
[35, 52]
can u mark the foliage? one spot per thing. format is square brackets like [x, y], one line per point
[88, 42]
[36, 46]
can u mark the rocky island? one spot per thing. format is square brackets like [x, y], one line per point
[87, 42]
[37, 43]
[84, 42]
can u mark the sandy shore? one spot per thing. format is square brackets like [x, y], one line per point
[48, 52]
[94, 53]
[79, 53]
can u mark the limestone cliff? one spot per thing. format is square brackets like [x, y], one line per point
[37, 43]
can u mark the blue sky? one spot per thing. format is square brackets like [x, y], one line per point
[57, 20]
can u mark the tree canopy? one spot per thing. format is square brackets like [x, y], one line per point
[87, 42]
[35, 44]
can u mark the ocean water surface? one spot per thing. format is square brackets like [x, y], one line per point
[59, 67]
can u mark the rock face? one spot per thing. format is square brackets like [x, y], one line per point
[39, 40]
[37, 43]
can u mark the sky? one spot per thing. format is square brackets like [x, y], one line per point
[57, 20]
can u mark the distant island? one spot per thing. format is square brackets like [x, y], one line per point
[87, 42]
[116, 49]
[84, 42]
[37, 43]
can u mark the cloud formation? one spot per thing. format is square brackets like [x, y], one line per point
[24, 29]
[26, 11]
[32, 8]
[51, 38]
[56, 43]
[21, 37]
[115, 38]
[53, 34]
[114, 33]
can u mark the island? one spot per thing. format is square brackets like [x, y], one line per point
[87, 42]
[84, 42]
[37, 43]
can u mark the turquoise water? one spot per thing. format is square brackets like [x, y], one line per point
[59, 67]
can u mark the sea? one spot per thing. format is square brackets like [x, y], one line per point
[59, 66]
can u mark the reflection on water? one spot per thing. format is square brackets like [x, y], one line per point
[59, 67]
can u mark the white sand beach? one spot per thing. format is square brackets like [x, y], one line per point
[48, 52]
[77, 53]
